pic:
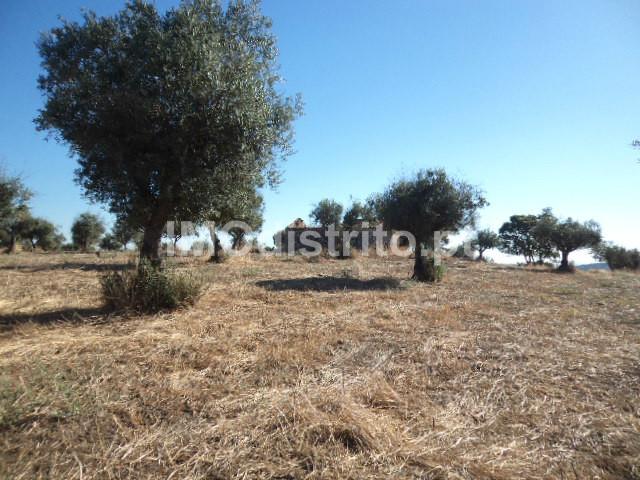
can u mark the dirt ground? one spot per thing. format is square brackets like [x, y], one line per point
[292, 369]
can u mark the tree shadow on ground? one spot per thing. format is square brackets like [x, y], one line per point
[329, 284]
[524, 268]
[86, 267]
[66, 315]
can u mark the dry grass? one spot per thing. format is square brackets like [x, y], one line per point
[329, 369]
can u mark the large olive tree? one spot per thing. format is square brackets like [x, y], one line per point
[428, 202]
[569, 235]
[168, 114]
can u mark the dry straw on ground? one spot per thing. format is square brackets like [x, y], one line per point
[332, 369]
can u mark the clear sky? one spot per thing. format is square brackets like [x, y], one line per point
[534, 101]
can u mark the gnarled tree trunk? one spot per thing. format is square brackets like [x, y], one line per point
[564, 263]
[150, 248]
[423, 268]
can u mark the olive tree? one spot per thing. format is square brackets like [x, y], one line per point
[110, 242]
[122, 232]
[428, 202]
[485, 240]
[86, 230]
[528, 235]
[41, 233]
[617, 257]
[326, 212]
[168, 114]
[570, 235]
[358, 213]
[251, 213]
[14, 209]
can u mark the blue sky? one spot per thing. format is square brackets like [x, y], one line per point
[534, 101]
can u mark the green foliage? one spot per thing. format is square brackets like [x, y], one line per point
[516, 236]
[438, 272]
[14, 209]
[428, 202]
[569, 235]
[524, 235]
[358, 213]
[617, 257]
[177, 115]
[86, 231]
[149, 289]
[485, 240]
[41, 233]
[249, 211]
[327, 212]
[543, 236]
[124, 233]
[110, 242]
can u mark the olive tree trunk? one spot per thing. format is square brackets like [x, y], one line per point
[150, 248]
[217, 249]
[564, 263]
[423, 267]
[13, 244]
[152, 236]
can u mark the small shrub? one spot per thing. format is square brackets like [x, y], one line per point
[438, 272]
[617, 257]
[149, 289]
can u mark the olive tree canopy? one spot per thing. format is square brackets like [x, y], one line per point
[358, 213]
[327, 212]
[41, 233]
[86, 231]
[428, 202]
[528, 235]
[485, 240]
[168, 114]
[14, 209]
[250, 212]
[570, 235]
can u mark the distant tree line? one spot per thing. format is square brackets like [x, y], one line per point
[18, 226]
[617, 257]
[544, 237]
[412, 205]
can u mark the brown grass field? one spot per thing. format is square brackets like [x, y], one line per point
[292, 369]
